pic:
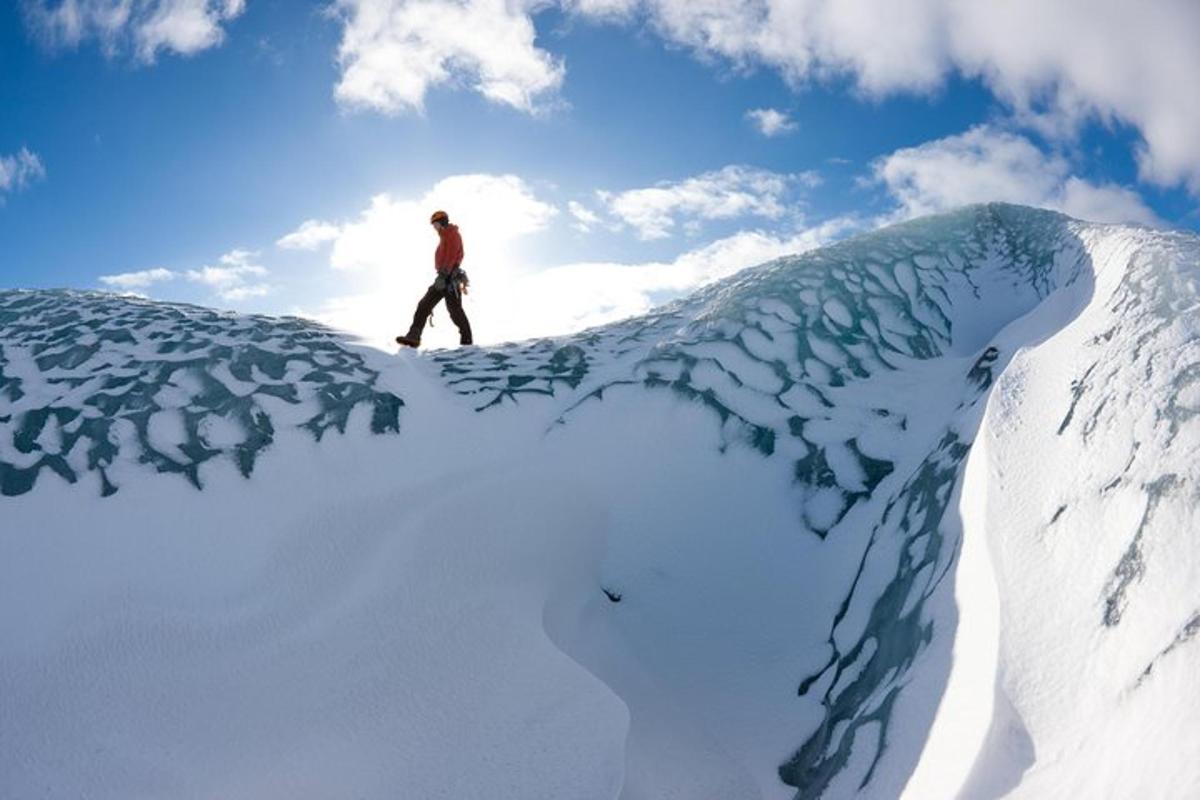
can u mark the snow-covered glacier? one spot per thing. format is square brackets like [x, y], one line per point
[912, 515]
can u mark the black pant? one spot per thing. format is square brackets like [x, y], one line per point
[432, 297]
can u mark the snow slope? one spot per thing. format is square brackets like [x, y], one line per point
[909, 515]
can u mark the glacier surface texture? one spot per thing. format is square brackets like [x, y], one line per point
[912, 515]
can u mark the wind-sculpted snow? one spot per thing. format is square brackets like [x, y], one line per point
[761, 521]
[770, 350]
[797, 359]
[86, 379]
[1151, 335]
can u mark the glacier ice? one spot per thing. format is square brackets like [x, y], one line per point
[777, 475]
[91, 364]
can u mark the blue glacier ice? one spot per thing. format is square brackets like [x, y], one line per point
[82, 363]
[778, 475]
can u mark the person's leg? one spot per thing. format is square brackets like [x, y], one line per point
[424, 309]
[454, 306]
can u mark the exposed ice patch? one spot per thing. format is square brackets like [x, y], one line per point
[191, 382]
[774, 477]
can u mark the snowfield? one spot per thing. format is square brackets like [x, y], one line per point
[912, 515]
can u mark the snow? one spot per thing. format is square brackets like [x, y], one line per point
[906, 516]
[1075, 679]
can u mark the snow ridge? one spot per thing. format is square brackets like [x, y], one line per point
[741, 517]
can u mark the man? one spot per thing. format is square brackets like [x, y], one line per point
[450, 284]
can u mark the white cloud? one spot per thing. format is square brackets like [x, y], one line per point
[1055, 64]
[238, 294]
[986, 164]
[573, 297]
[146, 26]
[129, 281]
[558, 300]
[310, 235]
[393, 51]
[19, 170]
[393, 234]
[384, 257]
[1103, 203]
[233, 279]
[728, 193]
[770, 121]
[748, 248]
[184, 26]
[585, 218]
[602, 9]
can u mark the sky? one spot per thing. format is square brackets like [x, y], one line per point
[600, 156]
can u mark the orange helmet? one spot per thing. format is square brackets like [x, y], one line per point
[439, 216]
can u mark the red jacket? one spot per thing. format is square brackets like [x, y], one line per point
[449, 251]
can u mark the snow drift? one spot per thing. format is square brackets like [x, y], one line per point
[909, 515]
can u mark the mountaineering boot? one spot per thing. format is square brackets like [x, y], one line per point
[409, 341]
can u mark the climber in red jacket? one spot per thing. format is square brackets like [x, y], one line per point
[451, 284]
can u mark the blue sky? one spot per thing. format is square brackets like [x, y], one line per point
[600, 155]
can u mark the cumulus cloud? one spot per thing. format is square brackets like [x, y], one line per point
[392, 235]
[235, 277]
[384, 258]
[770, 121]
[1106, 202]
[986, 164]
[309, 236]
[728, 193]
[133, 281]
[562, 299]
[146, 27]
[384, 255]
[1056, 64]
[393, 52]
[19, 170]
